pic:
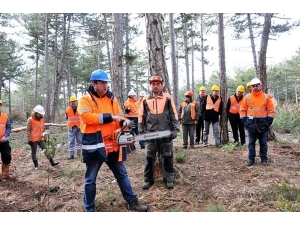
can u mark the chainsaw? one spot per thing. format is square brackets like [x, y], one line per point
[127, 138]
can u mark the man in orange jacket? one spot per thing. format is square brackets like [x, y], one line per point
[158, 113]
[131, 112]
[257, 113]
[100, 114]
[233, 115]
[5, 149]
[74, 133]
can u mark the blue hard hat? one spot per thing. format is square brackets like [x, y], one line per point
[99, 75]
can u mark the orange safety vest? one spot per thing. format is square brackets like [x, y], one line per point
[193, 109]
[211, 105]
[73, 119]
[234, 105]
[131, 104]
[92, 112]
[3, 121]
[37, 129]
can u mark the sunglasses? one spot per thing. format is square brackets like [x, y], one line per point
[255, 85]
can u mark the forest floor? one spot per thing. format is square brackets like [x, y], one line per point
[209, 180]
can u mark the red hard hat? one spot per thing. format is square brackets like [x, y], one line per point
[189, 93]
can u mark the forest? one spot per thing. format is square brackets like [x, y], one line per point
[47, 57]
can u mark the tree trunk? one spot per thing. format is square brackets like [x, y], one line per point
[252, 45]
[186, 52]
[173, 61]
[202, 50]
[155, 46]
[47, 105]
[117, 58]
[263, 51]
[223, 84]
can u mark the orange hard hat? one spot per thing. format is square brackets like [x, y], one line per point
[189, 93]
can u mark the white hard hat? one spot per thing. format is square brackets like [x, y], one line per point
[39, 109]
[255, 81]
[143, 93]
[131, 93]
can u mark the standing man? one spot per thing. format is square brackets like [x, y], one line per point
[189, 115]
[233, 109]
[5, 149]
[101, 114]
[200, 124]
[74, 133]
[35, 127]
[211, 109]
[257, 113]
[131, 112]
[158, 113]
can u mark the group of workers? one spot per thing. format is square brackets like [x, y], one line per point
[93, 120]
[253, 112]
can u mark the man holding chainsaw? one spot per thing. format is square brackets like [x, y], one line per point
[100, 114]
[158, 113]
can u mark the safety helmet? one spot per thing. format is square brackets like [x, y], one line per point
[73, 98]
[143, 93]
[131, 93]
[189, 93]
[99, 75]
[248, 84]
[240, 88]
[215, 88]
[156, 78]
[202, 88]
[1, 102]
[39, 109]
[255, 81]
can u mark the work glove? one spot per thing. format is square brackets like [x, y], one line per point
[30, 142]
[127, 110]
[174, 134]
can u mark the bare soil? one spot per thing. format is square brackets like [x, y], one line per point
[211, 179]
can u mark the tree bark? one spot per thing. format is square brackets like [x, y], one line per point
[117, 58]
[155, 47]
[223, 84]
[173, 61]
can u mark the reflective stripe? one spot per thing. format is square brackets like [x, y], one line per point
[93, 147]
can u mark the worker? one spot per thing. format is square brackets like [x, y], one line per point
[74, 133]
[5, 149]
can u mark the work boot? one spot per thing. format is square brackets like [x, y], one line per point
[170, 185]
[52, 162]
[71, 157]
[36, 165]
[5, 170]
[250, 163]
[138, 207]
[147, 184]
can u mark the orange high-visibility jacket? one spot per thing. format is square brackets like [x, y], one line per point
[210, 104]
[193, 109]
[3, 121]
[96, 116]
[131, 104]
[35, 128]
[257, 105]
[73, 119]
